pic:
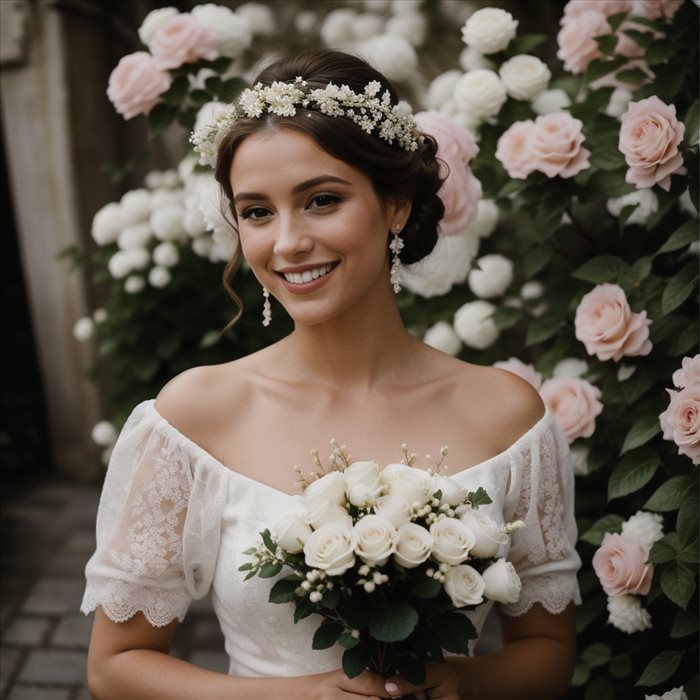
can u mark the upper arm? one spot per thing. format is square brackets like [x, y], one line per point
[537, 622]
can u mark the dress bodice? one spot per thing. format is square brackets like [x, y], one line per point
[173, 523]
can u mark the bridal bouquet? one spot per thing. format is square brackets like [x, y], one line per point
[392, 559]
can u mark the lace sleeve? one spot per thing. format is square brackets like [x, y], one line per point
[155, 550]
[541, 494]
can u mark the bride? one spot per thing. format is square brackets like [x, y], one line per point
[331, 190]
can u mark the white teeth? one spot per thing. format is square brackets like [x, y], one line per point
[308, 275]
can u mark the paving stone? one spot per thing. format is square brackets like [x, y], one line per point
[26, 631]
[54, 596]
[211, 660]
[28, 692]
[48, 666]
[73, 631]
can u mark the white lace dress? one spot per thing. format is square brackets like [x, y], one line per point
[173, 523]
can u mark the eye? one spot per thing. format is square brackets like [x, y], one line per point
[254, 214]
[324, 201]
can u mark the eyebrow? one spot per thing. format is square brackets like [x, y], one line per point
[307, 184]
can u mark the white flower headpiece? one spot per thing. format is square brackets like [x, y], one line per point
[374, 114]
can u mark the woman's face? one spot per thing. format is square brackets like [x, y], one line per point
[311, 227]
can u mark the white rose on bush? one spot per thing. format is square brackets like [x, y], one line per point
[366, 25]
[625, 612]
[489, 30]
[464, 585]
[395, 509]
[673, 694]
[441, 89]
[99, 315]
[492, 276]
[392, 55]
[134, 284]
[83, 329]
[166, 254]
[579, 459]
[291, 533]
[548, 101]
[119, 265]
[159, 277]
[411, 26]
[331, 548]
[134, 236]
[570, 367]
[452, 540]
[501, 582]
[232, 30]
[647, 528]
[413, 546]
[480, 92]
[474, 325]
[136, 206]
[645, 202]
[471, 59]
[167, 222]
[104, 434]
[524, 76]
[337, 27]
[442, 336]
[488, 537]
[107, 223]
[375, 539]
[486, 219]
[202, 246]
[619, 102]
[260, 18]
[153, 21]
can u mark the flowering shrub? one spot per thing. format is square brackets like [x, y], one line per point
[577, 268]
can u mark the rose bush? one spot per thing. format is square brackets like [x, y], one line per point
[587, 165]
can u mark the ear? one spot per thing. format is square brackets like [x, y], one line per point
[400, 210]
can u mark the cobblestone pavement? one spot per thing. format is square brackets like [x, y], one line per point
[47, 537]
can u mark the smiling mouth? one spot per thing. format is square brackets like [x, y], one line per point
[307, 275]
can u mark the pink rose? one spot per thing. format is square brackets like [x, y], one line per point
[513, 149]
[574, 8]
[649, 138]
[577, 47]
[136, 84]
[556, 145]
[681, 420]
[608, 328]
[574, 405]
[688, 373]
[183, 40]
[620, 565]
[654, 9]
[526, 372]
[460, 191]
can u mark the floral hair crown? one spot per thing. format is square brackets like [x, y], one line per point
[374, 114]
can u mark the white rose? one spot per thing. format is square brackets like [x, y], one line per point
[619, 102]
[260, 17]
[394, 509]
[646, 528]
[392, 55]
[413, 546]
[548, 101]
[134, 284]
[165, 198]
[501, 582]
[464, 585]
[331, 548]
[221, 251]
[686, 203]
[336, 29]
[206, 116]
[185, 168]
[119, 265]
[323, 512]
[411, 26]
[194, 223]
[330, 487]
[99, 315]
[488, 537]
[83, 329]
[625, 612]
[443, 337]
[232, 30]
[104, 434]
[480, 92]
[212, 207]
[624, 372]
[153, 21]
[531, 290]
[137, 258]
[412, 484]
[166, 222]
[291, 533]
[645, 201]
[471, 59]
[441, 89]
[406, 7]
[166, 254]
[486, 218]
[489, 30]
[366, 25]
[673, 694]
[524, 76]
[579, 459]
[107, 223]
[365, 473]
[492, 276]
[159, 277]
[570, 367]
[305, 21]
[202, 246]
[134, 236]
[474, 325]
[136, 206]
[452, 540]
[452, 493]
[375, 539]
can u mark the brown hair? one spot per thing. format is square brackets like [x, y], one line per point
[394, 172]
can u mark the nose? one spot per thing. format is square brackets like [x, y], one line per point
[291, 239]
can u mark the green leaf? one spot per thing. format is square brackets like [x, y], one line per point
[393, 621]
[543, 328]
[506, 317]
[347, 641]
[632, 472]
[596, 654]
[660, 668]
[199, 97]
[536, 260]
[685, 341]
[268, 541]
[213, 85]
[660, 51]
[679, 288]
[356, 660]
[270, 569]
[358, 611]
[620, 666]
[326, 635]
[303, 608]
[589, 612]
[686, 621]
[582, 673]
[159, 118]
[606, 44]
[602, 268]
[687, 520]
[175, 95]
[633, 388]
[454, 630]
[666, 549]
[608, 523]
[330, 598]
[633, 76]
[681, 237]
[641, 432]
[643, 39]
[616, 20]
[479, 498]
[607, 158]
[284, 590]
[669, 495]
[425, 587]
[600, 67]
[678, 583]
[231, 89]
[691, 125]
